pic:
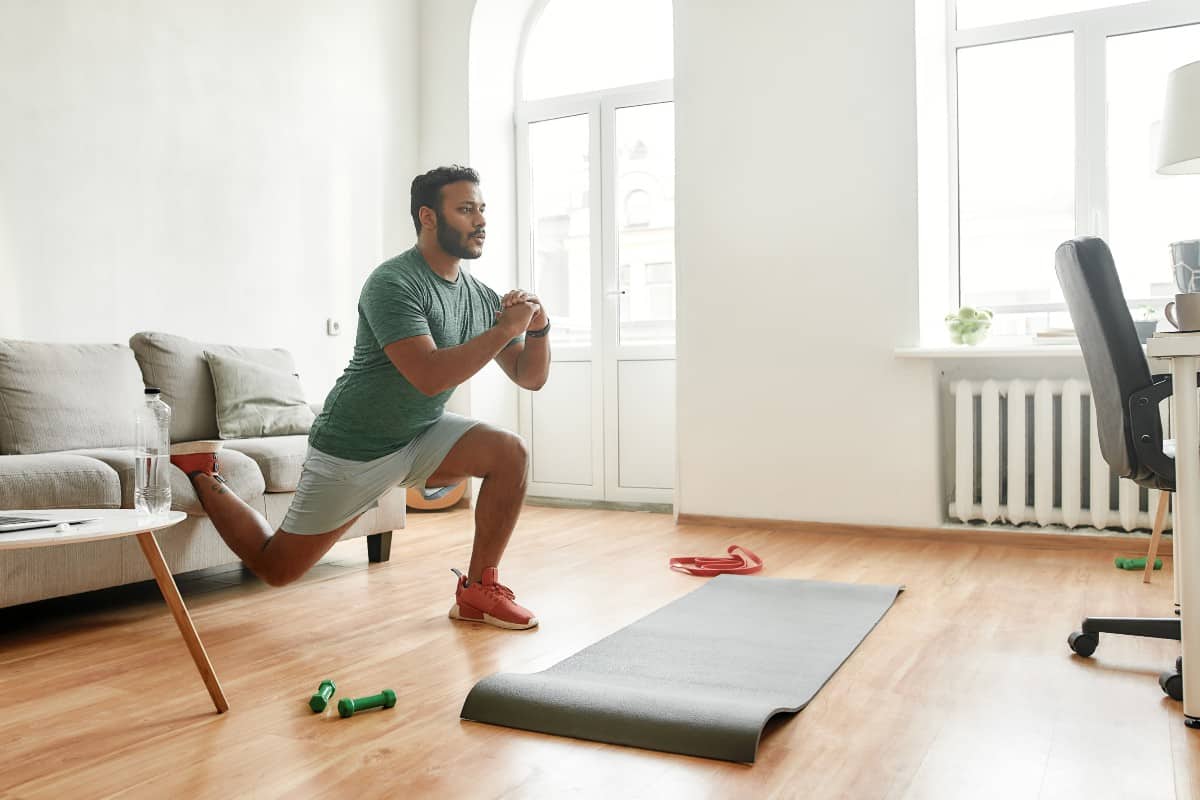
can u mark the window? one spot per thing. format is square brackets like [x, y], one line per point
[1016, 131]
[560, 188]
[637, 209]
[1054, 116]
[644, 140]
[597, 136]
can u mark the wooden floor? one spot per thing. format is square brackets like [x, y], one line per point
[966, 689]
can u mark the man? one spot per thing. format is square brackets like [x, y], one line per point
[424, 327]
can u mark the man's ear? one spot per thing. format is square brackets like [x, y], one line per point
[428, 217]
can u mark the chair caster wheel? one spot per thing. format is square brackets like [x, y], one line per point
[1083, 644]
[1172, 685]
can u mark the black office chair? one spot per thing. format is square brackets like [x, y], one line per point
[1127, 397]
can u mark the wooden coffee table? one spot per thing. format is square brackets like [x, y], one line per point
[112, 524]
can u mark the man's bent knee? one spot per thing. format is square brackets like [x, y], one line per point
[287, 556]
[277, 573]
[514, 453]
[274, 569]
[275, 578]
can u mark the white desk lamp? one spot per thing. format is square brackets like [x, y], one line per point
[1179, 153]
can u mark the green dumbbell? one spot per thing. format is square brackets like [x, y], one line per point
[348, 705]
[1135, 564]
[321, 699]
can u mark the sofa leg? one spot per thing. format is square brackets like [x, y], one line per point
[379, 547]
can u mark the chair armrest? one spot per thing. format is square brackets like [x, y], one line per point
[1145, 428]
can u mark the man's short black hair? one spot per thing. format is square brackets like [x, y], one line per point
[427, 188]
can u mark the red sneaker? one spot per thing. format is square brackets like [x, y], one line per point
[489, 601]
[196, 457]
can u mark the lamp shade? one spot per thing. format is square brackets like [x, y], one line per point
[1179, 153]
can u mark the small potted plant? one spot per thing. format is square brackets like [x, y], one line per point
[969, 325]
[1145, 319]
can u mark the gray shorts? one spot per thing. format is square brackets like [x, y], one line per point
[333, 491]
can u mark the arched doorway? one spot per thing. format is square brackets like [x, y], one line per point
[595, 228]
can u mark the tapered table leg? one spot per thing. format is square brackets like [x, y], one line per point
[170, 593]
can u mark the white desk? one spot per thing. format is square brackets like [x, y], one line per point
[114, 523]
[1183, 351]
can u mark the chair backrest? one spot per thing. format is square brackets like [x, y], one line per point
[1112, 352]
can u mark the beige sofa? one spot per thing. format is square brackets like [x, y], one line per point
[66, 430]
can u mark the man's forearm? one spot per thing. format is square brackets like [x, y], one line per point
[455, 365]
[533, 365]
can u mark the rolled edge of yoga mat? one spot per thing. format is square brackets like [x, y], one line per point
[1135, 563]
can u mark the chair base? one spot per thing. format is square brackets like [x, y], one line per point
[1085, 640]
[1149, 627]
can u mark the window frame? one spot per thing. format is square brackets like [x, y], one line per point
[1090, 31]
[600, 109]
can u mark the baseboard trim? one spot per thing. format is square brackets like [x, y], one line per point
[1134, 543]
[600, 505]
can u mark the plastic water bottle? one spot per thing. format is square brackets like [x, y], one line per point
[152, 456]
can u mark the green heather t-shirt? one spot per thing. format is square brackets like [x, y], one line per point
[373, 410]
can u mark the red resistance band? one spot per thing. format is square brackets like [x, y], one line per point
[735, 564]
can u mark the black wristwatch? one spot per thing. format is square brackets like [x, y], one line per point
[539, 333]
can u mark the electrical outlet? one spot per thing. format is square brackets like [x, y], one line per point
[332, 327]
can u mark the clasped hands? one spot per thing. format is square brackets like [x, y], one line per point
[522, 311]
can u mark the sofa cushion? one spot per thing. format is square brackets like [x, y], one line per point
[255, 400]
[279, 458]
[177, 366]
[239, 471]
[57, 397]
[57, 480]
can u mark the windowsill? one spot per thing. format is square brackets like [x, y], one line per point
[1000, 347]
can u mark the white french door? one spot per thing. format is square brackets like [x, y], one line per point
[596, 204]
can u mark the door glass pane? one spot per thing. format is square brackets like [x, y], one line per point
[560, 187]
[584, 46]
[973, 13]
[645, 214]
[1016, 168]
[1147, 211]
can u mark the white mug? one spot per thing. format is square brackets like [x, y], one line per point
[1184, 311]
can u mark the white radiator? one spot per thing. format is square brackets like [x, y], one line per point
[1020, 461]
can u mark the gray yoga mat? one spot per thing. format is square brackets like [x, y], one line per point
[700, 676]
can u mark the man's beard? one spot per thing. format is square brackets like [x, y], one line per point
[453, 242]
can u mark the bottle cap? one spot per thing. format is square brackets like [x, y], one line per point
[153, 390]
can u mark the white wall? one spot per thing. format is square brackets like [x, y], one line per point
[797, 264]
[228, 171]
[445, 33]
